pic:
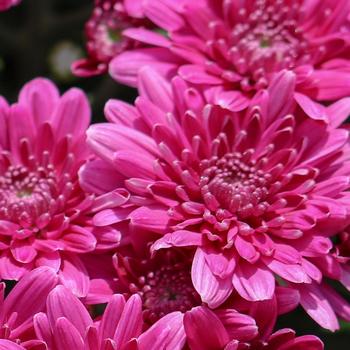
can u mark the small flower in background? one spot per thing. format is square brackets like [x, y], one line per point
[18, 308]
[6, 4]
[44, 214]
[103, 33]
[253, 192]
[234, 48]
[68, 325]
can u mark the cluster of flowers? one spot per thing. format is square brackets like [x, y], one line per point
[217, 202]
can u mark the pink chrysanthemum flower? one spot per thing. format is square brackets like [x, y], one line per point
[44, 214]
[6, 4]
[236, 47]
[19, 307]
[254, 192]
[163, 282]
[103, 34]
[68, 325]
[164, 285]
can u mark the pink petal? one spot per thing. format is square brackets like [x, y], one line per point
[253, 282]
[79, 240]
[130, 323]
[332, 84]
[9, 345]
[238, 326]
[23, 251]
[167, 333]
[72, 115]
[197, 323]
[67, 336]
[74, 276]
[290, 272]
[213, 290]
[287, 299]
[152, 218]
[62, 303]
[162, 14]
[156, 89]
[43, 329]
[10, 269]
[125, 67]
[197, 75]
[99, 177]
[317, 306]
[29, 295]
[111, 317]
[41, 96]
[180, 238]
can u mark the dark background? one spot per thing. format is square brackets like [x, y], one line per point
[35, 36]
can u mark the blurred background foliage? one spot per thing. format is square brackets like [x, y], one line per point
[42, 38]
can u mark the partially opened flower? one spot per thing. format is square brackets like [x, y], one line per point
[68, 325]
[163, 282]
[17, 310]
[103, 34]
[6, 4]
[237, 47]
[44, 214]
[255, 193]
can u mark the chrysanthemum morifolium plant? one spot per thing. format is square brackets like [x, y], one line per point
[255, 193]
[45, 216]
[231, 49]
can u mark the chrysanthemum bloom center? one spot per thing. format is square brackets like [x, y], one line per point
[266, 39]
[30, 193]
[166, 290]
[104, 30]
[236, 183]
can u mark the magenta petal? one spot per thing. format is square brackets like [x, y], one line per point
[95, 177]
[308, 342]
[311, 108]
[317, 306]
[72, 115]
[9, 345]
[74, 276]
[10, 269]
[290, 272]
[79, 240]
[43, 329]
[197, 323]
[156, 89]
[213, 290]
[238, 326]
[130, 323]
[253, 282]
[67, 336]
[162, 14]
[62, 303]
[180, 238]
[29, 295]
[167, 333]
[23, 251]
[332, 84]
[111, 317]
[287, 299]
[153, 218]
[41, 96]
